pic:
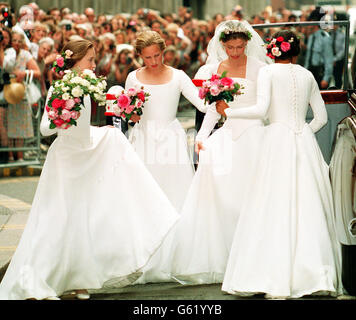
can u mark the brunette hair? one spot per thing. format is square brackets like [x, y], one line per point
[287, 42]
[234, 36]
[79, 49]
[149, 38]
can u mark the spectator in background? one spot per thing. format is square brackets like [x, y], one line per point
[4, 45]
[38, 32]
[45, 59]
[90, 14]
[319, 55]
[56, 14]
[170, 57]
[338, 45]
[19, 116]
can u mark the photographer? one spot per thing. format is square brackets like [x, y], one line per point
[124, 63]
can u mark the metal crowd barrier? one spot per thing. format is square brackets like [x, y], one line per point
[31, 149]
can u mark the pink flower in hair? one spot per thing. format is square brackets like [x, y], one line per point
[285, 46]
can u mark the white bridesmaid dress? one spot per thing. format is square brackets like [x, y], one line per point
[204, 234]
[160, 139]
[285, 241]
[97, 216]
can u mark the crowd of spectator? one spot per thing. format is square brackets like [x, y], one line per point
[187, 38]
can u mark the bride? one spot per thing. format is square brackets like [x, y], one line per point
[97, 216]
[203, 236]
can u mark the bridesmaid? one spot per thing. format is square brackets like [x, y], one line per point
[159, 138]
[97, 216]
[285, 242]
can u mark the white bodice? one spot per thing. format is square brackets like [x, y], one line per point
[80, 131]
[248, 98]
[162, 104]
[284, 93]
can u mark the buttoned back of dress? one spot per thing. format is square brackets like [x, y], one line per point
[290, 96]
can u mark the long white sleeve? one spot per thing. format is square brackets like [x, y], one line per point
[210, 120]
[318, 106]
[45, 122]
[258, 111]
[191, 92]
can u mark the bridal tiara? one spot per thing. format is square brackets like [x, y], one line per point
[234, 28]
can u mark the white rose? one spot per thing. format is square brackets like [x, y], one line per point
[66, 96]
[276, 52]
[65, 89]
[85, 83]
[76, 80]
[89, 73]
[77, 92]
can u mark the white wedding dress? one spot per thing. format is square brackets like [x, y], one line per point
[161, 142]
[285, 240]
[96, 219]
[160, 139]
[204, 234]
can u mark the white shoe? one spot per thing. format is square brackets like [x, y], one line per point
[83, 296]
[52, 298]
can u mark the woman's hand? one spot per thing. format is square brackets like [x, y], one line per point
[20, 75]
[199, 146]
[135, 118]
[221, 106]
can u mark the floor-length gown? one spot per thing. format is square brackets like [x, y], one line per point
[160, 139]
[161, 142]
[204, 234]
[285, 241]
[96, 219]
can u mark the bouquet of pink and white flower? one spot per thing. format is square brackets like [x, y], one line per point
[64, 105]
[130, 102]
[219, 88]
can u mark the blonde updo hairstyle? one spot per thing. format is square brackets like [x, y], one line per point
[79, 49]
[148, 38]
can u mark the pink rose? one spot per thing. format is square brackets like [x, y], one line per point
[48, 108]
[75, 114]
[227, 82]
[214, 90]
[77, 100]
[285, 46]
[129, 108]
[202, 93]
[124, 101]
[52, 114]
[69, 104]
[66, 115]
[60, 62]
[58, 103]
[131, 92]
[58, 122]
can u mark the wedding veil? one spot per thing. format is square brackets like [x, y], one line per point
[254, 48]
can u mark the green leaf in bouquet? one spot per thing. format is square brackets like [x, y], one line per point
[223, 74]
[52, 126]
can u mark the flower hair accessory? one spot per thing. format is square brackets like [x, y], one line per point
[60, 64]
[234, 28]
[277, 46]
